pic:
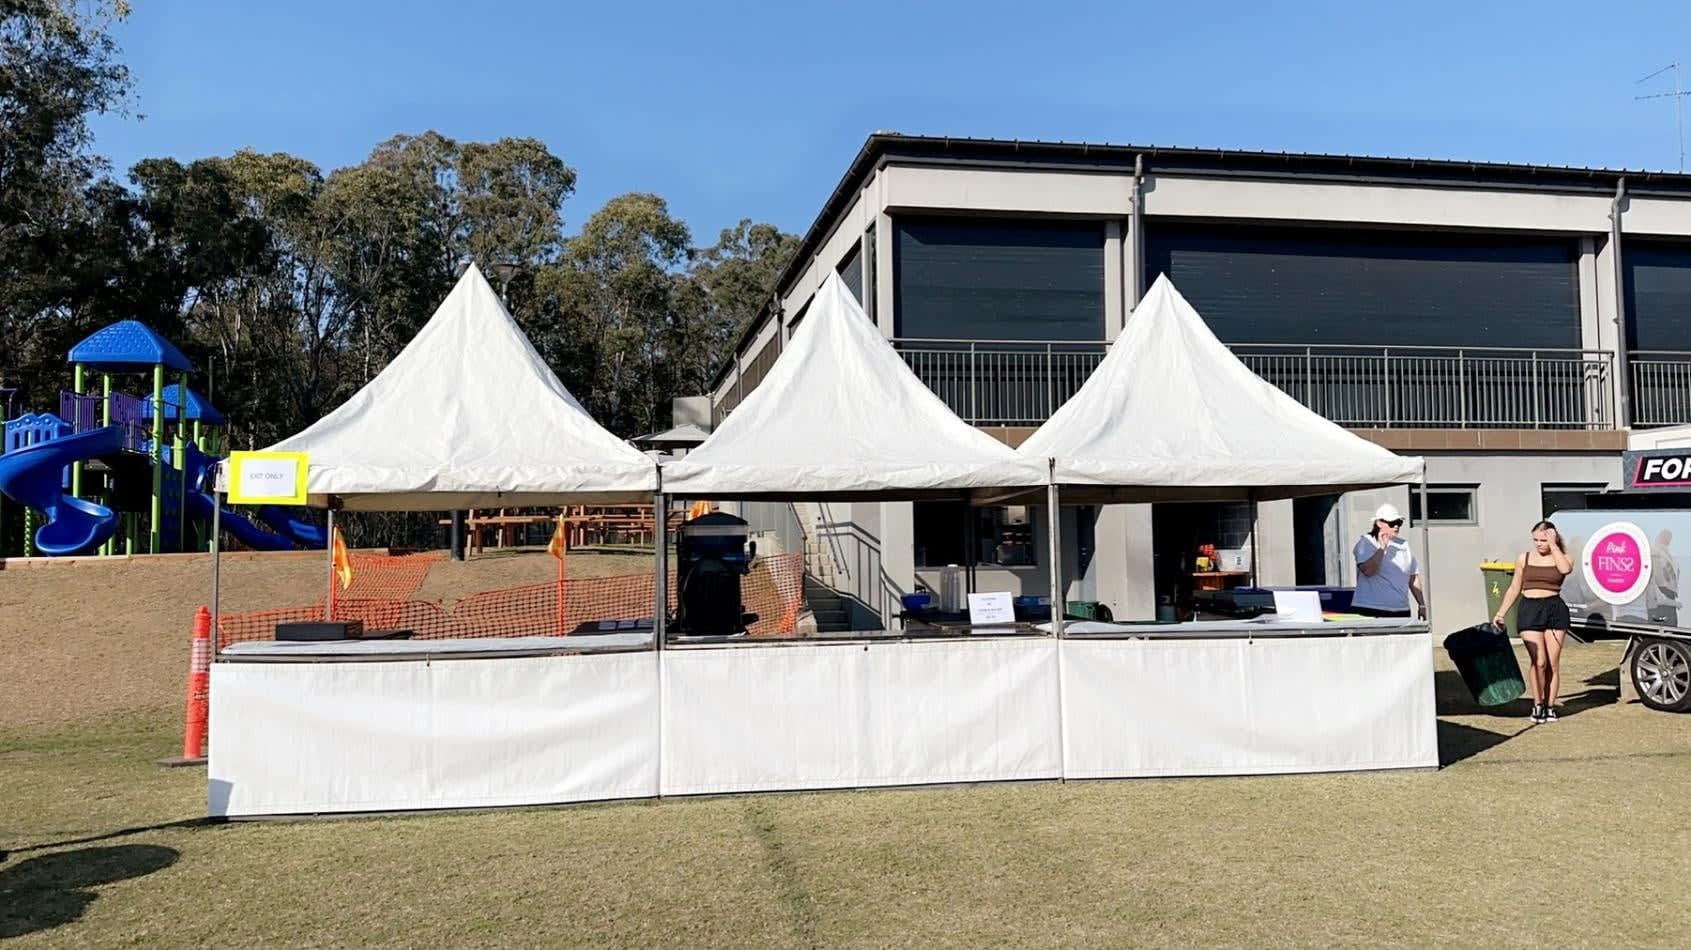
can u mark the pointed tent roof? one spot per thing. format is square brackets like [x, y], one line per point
[467, 415]
[840, 414]
[1170, 413]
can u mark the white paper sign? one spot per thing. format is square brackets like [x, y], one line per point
[987, 609]
[269, 478]
[1297, 606]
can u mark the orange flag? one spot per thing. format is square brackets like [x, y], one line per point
[558, 544]
[343, 564]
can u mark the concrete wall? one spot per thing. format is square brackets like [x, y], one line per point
[1674, 437]
[690, 410]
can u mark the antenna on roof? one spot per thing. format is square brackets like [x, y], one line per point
[1678, 97]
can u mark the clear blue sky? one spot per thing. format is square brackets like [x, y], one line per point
[732, 109]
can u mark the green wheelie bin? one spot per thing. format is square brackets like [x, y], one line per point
[1498, 576]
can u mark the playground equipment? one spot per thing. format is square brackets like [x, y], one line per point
[112, 470]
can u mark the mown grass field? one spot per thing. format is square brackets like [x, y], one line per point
[1576, 833]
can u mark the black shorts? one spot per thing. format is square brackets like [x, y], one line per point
[1543, 613]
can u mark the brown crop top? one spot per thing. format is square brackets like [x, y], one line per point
[1542, 577]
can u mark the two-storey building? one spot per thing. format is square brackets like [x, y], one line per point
[1511, 323]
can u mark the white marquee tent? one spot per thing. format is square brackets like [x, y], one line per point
[1172, 414]
[840, 414]
[467, 415]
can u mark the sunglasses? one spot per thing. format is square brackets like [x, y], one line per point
[1393, 524]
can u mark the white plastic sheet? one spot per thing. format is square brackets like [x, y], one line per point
[1139, 708]
[815, 716]
[304, 738]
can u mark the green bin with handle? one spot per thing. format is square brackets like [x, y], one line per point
[1498, 576]
[1487, 663]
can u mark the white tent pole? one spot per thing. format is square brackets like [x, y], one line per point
[1255, 556]
[660, 584]
[329, 562]
[1426, 545]
[1054, 537]
[216, 556]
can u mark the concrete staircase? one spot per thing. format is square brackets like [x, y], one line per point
[831, 613]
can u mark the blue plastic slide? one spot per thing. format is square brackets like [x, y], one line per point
[304, 533]
[34, 476]
[200, 507]
[285, 533]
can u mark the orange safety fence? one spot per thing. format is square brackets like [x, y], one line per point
[388, 576]
[774, 591]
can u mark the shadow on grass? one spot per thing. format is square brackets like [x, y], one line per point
[1458, 742]
[1451, 697]
[52, 890]
[121, 833]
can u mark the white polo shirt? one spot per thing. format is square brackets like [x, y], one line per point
[1388, 589]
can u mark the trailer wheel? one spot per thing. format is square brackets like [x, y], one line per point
[1661, 672]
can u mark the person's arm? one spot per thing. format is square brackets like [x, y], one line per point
[1560, 556]
[1420, 597]
[1370, 565]
[1513, 592]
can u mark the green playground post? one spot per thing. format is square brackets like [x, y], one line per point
[201, 531]
[155, 536]
[28, 531]
[110, 546]
[180, 457]
[76, 467]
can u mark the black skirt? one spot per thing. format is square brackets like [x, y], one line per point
[1543, 613]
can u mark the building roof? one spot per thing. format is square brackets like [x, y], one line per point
[200, 408]
[126, 346]
[882, 147]
[688, 434]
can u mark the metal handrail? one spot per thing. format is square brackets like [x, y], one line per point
[1021, 382]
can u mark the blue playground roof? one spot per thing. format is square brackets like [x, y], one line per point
[125, 345]
[200, 409]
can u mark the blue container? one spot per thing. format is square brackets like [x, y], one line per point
[917, 601]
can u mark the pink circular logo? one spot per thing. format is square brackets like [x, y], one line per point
[1616, 562]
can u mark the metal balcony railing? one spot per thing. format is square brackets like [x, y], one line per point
[1661, 387]
[1018, 383]
[1002, 382]
[1444, 387]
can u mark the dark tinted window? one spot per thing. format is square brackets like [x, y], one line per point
[1371, 288]
[851, 271]
[1658, 295]
[974, 280]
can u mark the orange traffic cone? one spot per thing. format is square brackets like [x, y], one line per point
[199, 694]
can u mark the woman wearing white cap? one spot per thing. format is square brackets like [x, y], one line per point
[1387, 574]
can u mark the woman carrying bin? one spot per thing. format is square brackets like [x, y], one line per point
[1544, 619]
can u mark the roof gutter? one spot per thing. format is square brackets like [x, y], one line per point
[1136, 234]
